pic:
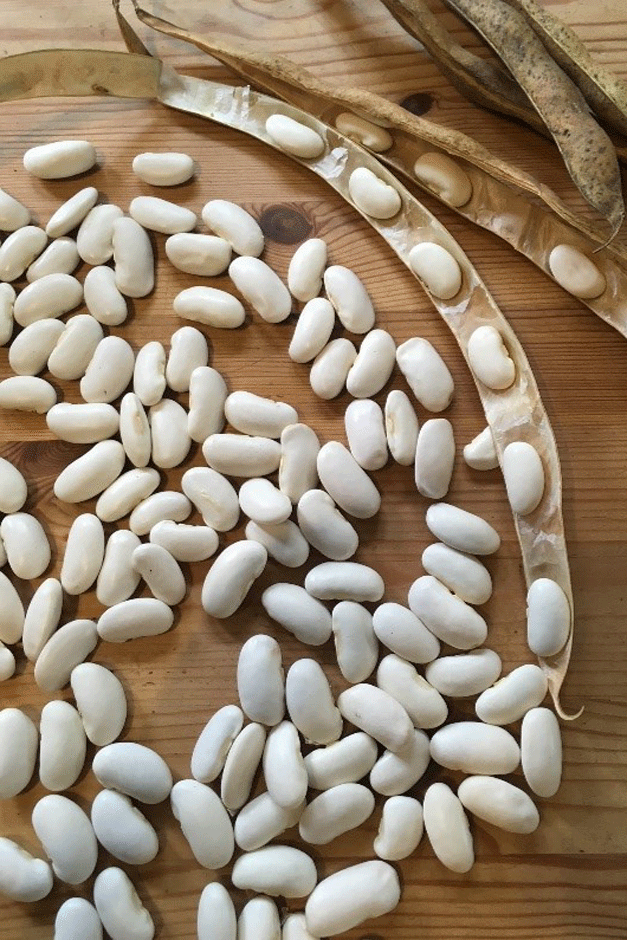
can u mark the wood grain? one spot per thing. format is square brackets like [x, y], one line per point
[567, 881]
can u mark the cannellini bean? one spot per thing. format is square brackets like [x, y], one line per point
[262, 820]
[101, 702]
[7, 299]
[210, 306]
[424, 704]
[133, 769]
[499, 803]
[295, 928]
[234, 224]
[117, 578]
[140, 616]
[241, 455]
[344, 580]
[7, 663]
[201, 255]
[331, 367]
[313, 330]
[122, 829]
[162, 216]
[324, 526]
[121, 911]
[261, 287]
[402, 632]
[437, 268]
[13, 489]
[447, 827]
[60, 257]
[135, 430]
[480, 453]
[109, 370]
[75, 347]
[373, 366]
[60, 159]
[68, 646]
[461, 573]
[18, 751]
[214, 742]
[185, 542]
[259, 920]
[213, 496]
[49, 296]
[30, 349]
[13, 214]
[94, 238]
[443, 176]
[435, 458]
[11, 612]
[231, 577]
[66, 834]
[301, 614]
[400, 829]
[276, 870]
[42, 617]
[350, 896]
[283, 541]
[310, 703]
[161, 572]
[283, 767]
[465, 674]
[475, 748]
[365, 432]
[84, 553]
[252, 414]
[489, 358]
[364, 132]
[216, 919]
[241, 765]
[294, 137]
[77, 918]
[446, 615]
[207, 394]
[83, 424]
[372, 195]
[541, 751]
[344, 761]
[523, 472]
[166, 504]
[19, 250]
[334, 812]
[26, 545]
[356, 645]
[548, 617]
[23, 877]
[27, 393]
[205, 823]
[260, 680]
[121, 497]
[163, 169]
[102, 297]
[168, 431]
[575, 272]
[89, 475]
[350, 299]
[462, 530]
[513, 695]
[133, 258]
[378, 714]
[71, 213]
[304, 275]
[346, 482]
[393, 773]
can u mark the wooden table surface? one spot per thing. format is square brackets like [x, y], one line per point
[567, 880]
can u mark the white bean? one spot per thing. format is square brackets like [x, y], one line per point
[214, 742]
[294, 137]
[94, 238]
[480, 453]
[310, 703]
[160, 215]
[465, 674]
[463, 574]
[575, 272]
[163, 169]
[49, 296]
[259, 920]
[523, 472]
[276, 870]
[370, 135]
[13, 214]
[252, 414]
[394, 774]
[447, 827]
[201, 255]
[350, 896]
[324, 526]
[185, 542]
[262, 820]
[372, 195]
[283, 767]
[295, 928]
[122, 829]
[216, 918]
[213, 496]
[241, 455]
[513, 695]
[541, 751]
[84, 423]
[7, 663]
[356, 645]
[241, 765]
[18, 751]
[121, 497]
[344, 580]
[461, 529]
[13, 489]
[334, 812]
[11, 612]
[262, 288]
[365, 432]
[102, 297]
[42, 617]
[234, 224]
[350, 298]
[204, 821]
[489, 358]
[7, 299]
[168, 431]
[298, 612]
[66, 834]
[117, 578]
[60, 257]
[166, 504]
[161, 572]
[312, 331]
[135, 432]
[23, 877]
[109, 371]
[344, 761]
[435, 458]
[133, 258]
[400, 679]
[304, 275]
[77, 919]
[260, 680]
[400, 829]
[499, 803]
[437, 268]
[31, 348]
[373, 366]
[84, 554]
[475, 748]
[231, 577]
[446, 615]
[262, 502]
[283, 541]
[101, 702]
[402, 632]
[207, 394]
[443, 176]
[346, 482]
[89, 475]
[330, 368]
[60, 159]
[19, 250]
[378, 714]
[68, 646]
[140, 616]
[119, 907]
[26, 545]
[210, 306]
[27, 393]
[548, 617]
[133, 769]
[75, 347]
[71, 213]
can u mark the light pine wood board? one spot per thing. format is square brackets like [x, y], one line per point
[565, 881]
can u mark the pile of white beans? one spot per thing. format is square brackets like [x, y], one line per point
[287, 728]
